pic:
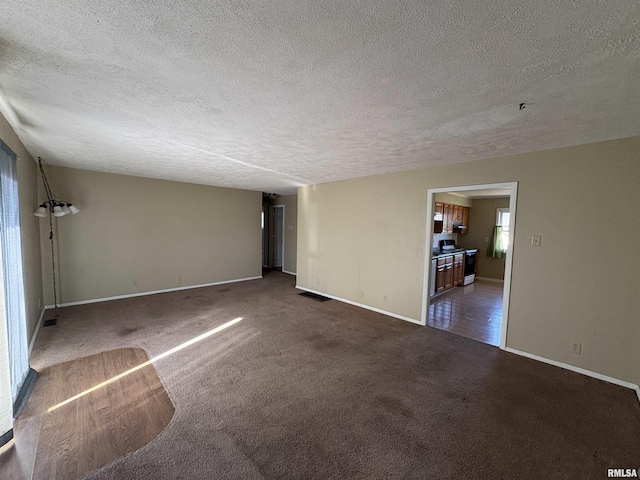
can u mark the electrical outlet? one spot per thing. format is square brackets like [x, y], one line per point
[384, 299]
[536, 240]
[362, 293]
[576, 347]
[179, 280]
[317, 281]
[135, 282]
[39, 303]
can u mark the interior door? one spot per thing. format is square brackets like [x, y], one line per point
[278, 236]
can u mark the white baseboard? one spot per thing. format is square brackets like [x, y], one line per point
[487, 279]
[361, 305]
[573, 368]
[290, 273]
[35, 333]
[142, 294]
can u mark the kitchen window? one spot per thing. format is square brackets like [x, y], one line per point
[502, 220]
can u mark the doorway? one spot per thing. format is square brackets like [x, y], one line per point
[278, 235]
[492, 299]
[273, 247]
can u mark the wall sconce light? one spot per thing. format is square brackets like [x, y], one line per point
[55, 208]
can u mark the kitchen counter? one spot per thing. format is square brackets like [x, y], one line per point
[439, 253]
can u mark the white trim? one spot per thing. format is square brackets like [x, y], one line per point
[573, 368]
[264, 220]
[508, 265]
[35, 333]
[499, 212]
[428, 250]
[290, 273]
[361, 305]
[487, 279]
[513, 187]
[142, 294]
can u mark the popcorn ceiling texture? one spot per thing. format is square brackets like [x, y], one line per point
[273, 95]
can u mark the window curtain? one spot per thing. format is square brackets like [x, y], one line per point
[496, 248]
[12, 279]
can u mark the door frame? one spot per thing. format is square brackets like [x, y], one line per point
[506, 292]
[265, 236]
[273, 243]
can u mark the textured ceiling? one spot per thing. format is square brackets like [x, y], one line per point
[271, 95]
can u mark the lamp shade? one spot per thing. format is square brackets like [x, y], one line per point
[72, 208]
[65, 209]
[57, 211]
[41, 211]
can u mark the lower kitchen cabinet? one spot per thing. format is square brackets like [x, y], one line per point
[440, 278]
[449, 272]
[458, 269]
[444, 273]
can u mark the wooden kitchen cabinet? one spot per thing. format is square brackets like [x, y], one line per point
[449, 272]
[444, 273]
[465, 220]
[438, 211]
[448, 277]
[457, 213]
[447, 218]
[440, 279]
[458, 269]
[445, 215]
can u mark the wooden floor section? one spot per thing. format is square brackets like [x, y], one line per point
[472, 311]
[115, 404]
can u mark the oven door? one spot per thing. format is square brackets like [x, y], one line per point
[469, 266]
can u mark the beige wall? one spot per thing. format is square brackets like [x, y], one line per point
[136, 235]
[452, 199]
[580, 285]
[482, 220]
[290, 203]
[27, 190]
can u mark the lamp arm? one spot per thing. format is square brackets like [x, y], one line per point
[52, 200]
[45, 182]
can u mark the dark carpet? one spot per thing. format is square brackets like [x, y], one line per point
[302, 389]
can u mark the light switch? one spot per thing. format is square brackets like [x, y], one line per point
[535, 240]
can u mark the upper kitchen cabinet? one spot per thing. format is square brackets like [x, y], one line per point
[438, 212]
[447, 221]
[449, 218]
[463, 226]
[457, 214]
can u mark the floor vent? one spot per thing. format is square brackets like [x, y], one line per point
[48, 323]
[314, 296]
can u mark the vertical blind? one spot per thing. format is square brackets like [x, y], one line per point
[12, 279]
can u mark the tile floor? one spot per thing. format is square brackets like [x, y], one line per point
[473, 311]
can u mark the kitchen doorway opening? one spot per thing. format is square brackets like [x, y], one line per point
[477, 307]
[273, 238]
